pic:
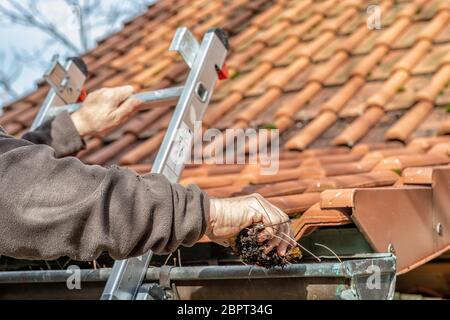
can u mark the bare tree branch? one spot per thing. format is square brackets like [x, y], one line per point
[90, 18]
[31, 16]
[7, 78]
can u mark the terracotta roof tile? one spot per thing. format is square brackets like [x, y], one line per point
[312, 131]
[358, 128]
[13, 128]
[441, 148]
[445, 127]
[407, 95]
[339, 198]
[416, 176]
[389, 89]
[316, 217]
[389, 36]
[313, 70]
[339, 100]
[295, 204]
[435, 27]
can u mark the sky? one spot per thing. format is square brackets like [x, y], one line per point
[25, 40]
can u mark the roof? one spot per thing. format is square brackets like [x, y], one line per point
[362, 113]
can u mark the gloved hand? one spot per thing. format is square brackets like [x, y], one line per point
[104, 110]
[228, 217]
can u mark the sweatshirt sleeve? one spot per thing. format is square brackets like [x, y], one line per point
[60, 134]
[52, 207]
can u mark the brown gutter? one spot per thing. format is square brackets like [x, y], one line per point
[411, 221]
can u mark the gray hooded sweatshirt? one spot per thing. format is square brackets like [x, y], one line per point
[53, 205]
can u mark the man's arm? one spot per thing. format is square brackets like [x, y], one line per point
[103, 111]
[60, 207]
[60, 134]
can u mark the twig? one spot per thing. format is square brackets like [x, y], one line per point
[327, 248]
[302, 247]
[59, 265]
[179, 257]
[250, 272]
[283, 239]
[167, 260]
[67, 263]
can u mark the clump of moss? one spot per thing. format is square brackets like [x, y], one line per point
[235, 75]
[253, 253]
[269, 126]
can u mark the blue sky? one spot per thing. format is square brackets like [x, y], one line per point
[17, 38]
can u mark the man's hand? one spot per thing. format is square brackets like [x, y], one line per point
[105, 110]
[228, 217]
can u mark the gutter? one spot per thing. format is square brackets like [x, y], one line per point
[360, 270]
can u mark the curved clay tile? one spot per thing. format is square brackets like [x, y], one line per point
[273, 55]
[323, 72]
[248, 80]
[284, 76]
[403, 162]
[283, 123]
[243, 37]
[312, 131]
[334, 159]
[420, 175]
[325, 6]
[299, 30]
[144, 150]
[266, 36]
[391, 34]
[444, 127]
[338, 101]
[216, 112]
[384, 153]
[437, 83]
[355, 131]
[268, 14]
[255, 108]
[441, 148]
[357, 167]
[367, 64]
[293, 12]
[366, 148]
[318, 152]
[433, 29]
[389, 89]
[428, 142]
[409, 122]
[291, 107]
[316, 217]
[339, 198]
[110, 151]
[413, 56]
[349, 44]
[295, 204]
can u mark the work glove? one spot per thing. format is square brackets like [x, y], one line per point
[105, 110]
[228, 217]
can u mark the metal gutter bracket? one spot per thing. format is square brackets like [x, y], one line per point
[372, 280]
